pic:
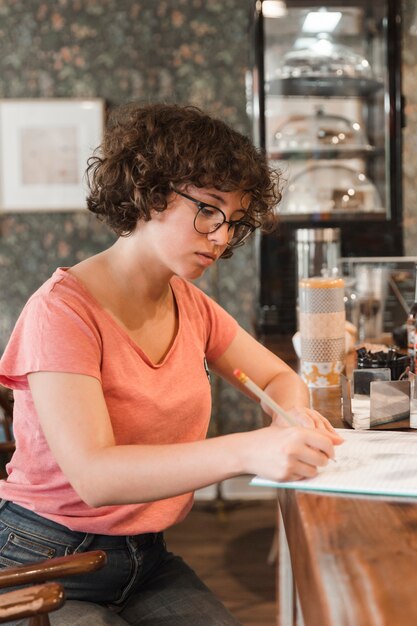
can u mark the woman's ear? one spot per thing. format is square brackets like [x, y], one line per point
[158, 215]
[171, 198]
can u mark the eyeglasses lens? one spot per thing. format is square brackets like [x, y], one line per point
[209, 219]
[240, 233]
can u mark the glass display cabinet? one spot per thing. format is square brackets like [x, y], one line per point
[324, 95]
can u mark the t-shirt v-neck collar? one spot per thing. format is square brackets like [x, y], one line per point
[64, 272]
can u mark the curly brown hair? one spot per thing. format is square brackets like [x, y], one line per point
[149, 150]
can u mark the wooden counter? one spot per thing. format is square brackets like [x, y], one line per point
[346, 560]
[354, 560]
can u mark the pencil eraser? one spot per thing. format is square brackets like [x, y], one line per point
[241, 376]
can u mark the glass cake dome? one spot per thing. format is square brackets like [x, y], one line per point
[330, 189]
[319, 131]
[322, 58]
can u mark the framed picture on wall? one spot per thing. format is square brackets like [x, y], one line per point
[44, 147]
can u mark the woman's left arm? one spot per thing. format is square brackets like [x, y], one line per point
[272, 375]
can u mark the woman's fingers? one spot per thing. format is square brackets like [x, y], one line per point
[318, 449]
[310, 418]
[284, 454]
[305, 450]
[323, 424]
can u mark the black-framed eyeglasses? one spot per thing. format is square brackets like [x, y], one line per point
[210, 218]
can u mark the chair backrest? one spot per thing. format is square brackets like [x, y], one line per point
[51, 569]
[35, 602]
[42, 598]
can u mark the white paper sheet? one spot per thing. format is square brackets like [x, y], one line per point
[368, 462]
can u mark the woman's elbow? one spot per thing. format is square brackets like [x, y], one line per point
[94, 495]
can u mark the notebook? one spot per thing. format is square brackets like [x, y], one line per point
[382, 463]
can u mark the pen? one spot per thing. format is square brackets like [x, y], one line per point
[260, 393]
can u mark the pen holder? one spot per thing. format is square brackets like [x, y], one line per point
[322, 330]
[398, 363]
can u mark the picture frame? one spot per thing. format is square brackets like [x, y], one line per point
[44, 148]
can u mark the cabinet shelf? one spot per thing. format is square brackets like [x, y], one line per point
[326, 86]
[325, 153]
[334, 216]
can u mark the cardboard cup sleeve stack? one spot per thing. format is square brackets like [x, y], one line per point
[322, 330]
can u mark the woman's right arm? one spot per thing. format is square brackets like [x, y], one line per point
[77, 427]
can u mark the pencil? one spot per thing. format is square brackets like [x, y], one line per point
[260, 393]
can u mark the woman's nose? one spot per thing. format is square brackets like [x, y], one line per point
[221, 236]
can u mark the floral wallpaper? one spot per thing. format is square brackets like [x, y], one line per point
[186, 51]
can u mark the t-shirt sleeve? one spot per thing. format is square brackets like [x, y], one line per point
[50, 335]
[221, 327]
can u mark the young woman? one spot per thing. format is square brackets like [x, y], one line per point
[108, 363]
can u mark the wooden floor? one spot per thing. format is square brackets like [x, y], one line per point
[227, 544]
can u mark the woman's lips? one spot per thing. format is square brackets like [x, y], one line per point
[206, 258]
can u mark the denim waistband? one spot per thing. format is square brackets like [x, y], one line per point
[18, 517]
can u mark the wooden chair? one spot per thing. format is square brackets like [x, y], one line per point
[34, 602]
[42, 597]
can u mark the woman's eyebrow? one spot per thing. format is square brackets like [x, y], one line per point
[217, 198]
[222, 202]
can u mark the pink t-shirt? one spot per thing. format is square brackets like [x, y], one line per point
[63, 328]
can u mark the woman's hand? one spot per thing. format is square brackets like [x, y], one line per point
[309, 418]
[284, 454]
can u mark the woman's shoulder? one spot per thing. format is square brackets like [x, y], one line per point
[62, 285]
[60, 297]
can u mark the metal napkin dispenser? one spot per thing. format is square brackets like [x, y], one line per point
[376, 400]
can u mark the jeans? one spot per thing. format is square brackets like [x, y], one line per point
[142, 583]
